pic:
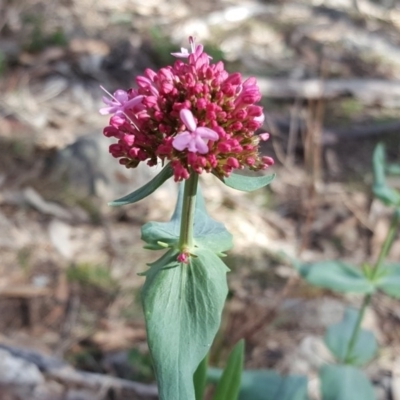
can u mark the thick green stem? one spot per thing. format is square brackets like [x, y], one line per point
[387, 244]
[188, 208]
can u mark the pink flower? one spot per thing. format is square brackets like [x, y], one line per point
[184, 53]
[193, 114]
[196, 138]
[119, 102]
[197, 50]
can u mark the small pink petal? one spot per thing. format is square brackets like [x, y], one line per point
[182, 54]
[268, 160]
[193, 146]
[207, 133]
[128, 140]
[106, 110]
[182, 140]
[106, 100]
[121, 96]
[264, 136]
[188, 119]
[260, 118]
[133, 102]
[201, 146]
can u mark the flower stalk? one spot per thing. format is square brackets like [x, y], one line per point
[188, 210]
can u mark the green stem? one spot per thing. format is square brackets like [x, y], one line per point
[357, 329]
[387, 243]
[188, 208]
[367, 299]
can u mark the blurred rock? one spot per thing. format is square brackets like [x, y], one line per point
[309, 356]
[16, 371]
[50, 390]
[89, 169]
[314, 314]
[74, 394]
[60, 236]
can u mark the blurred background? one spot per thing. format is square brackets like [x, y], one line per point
[329, 71]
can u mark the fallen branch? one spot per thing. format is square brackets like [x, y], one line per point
[57, 369]
[333, 136]
[369, 91]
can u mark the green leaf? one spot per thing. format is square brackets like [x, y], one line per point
[389, 281]
[146, 189]
[182, 305]
[344, 382]
[381, 190]
[386, 194]
[208, 233]
[247, 183]
[267, 385]
[229, 385]
[200, 378]
[338, 337]
[393, 169]
[336, 275]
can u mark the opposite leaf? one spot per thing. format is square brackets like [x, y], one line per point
[267, 385]
[344, 382]
[229, 385]
[208, 233]
[380, 188]
[338, 337]
[336, 275]
[200, 378]
[247, 183]
[390, 280]
[146, 189]
[182, 305]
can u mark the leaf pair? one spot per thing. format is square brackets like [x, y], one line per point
[267, 385]
[345, 382]
[338, 338]
[208, 233]
[235, 384]
[183, 302]
[343, 277]
[235, 181]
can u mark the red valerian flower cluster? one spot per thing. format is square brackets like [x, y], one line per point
[194, 114]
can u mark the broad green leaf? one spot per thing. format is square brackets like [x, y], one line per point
[182, 305]
[267, 385]
[229, 385]
[389, 281]
[200, 378]
[338, 337]
[380, 188]
[336, 275]
[146, 189]
[344, 382]
[247, 183]
[208, 233]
